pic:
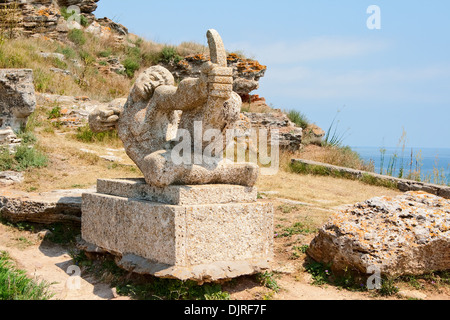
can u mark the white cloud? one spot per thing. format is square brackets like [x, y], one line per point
[388, 84]
[315, 49]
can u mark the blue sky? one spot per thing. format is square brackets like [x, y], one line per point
[322, 57]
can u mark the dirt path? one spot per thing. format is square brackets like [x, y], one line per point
[50, 262]
[43, 260]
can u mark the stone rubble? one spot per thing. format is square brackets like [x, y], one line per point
[17, 98]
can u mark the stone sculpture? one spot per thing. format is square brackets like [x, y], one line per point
[198, 219]
[156, 111]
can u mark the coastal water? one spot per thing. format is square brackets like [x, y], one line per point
[434, 163]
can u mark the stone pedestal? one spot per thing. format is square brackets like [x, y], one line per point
[202, 233]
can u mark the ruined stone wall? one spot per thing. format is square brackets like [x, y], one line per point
[39, 17]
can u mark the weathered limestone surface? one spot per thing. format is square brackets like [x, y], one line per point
[406, 235]
[177, 195]
[17, 97]
[289, 135]
[46, 208]
[199, 239]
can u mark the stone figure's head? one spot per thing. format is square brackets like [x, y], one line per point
[150, 79]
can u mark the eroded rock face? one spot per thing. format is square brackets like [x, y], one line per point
[409, 234]
[17, 97]
[289, 135]
[41, 17]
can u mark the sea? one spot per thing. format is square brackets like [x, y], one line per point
[434, 163]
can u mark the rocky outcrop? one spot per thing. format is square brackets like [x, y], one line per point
[406, 235]
[246, 72]
[32, 17]
[290, 136]
[17, 97]
[44, 18]
[46, 208]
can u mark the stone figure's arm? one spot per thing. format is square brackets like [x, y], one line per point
[215, 82]
[104, 119]
[189, 94]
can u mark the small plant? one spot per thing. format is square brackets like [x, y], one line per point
[105, 53]
[6, 159]
[170, 55]
[68, 52]
[333, 138]
[267, 279]
[29, 157]
[297, 228]
[388, 288]
[55, 113]
[298, 118]
[319, 272]
[77, 37]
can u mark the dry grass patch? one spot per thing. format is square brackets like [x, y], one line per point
[69, 167]
[325, 192]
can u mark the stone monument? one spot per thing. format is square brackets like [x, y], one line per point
[193, 216]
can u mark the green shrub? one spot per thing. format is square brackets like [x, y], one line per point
[388, 287]
[27, 137]
[55, 113]
[6, 160]
[105, 54]
[170, 54]
[133, 61]
[68, 52]
[28, 157]
[77, 36]
[131, 66]
[84, 21]
[320, 273]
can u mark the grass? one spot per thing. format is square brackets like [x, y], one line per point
[77, 37]
[297, 228]
[88, 50]
[84, 134]
[15, 285]
[147, 287]
[298, 118]
[268, 280]
[25, 157]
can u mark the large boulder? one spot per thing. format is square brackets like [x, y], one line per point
[406, 235]
[17, 97]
